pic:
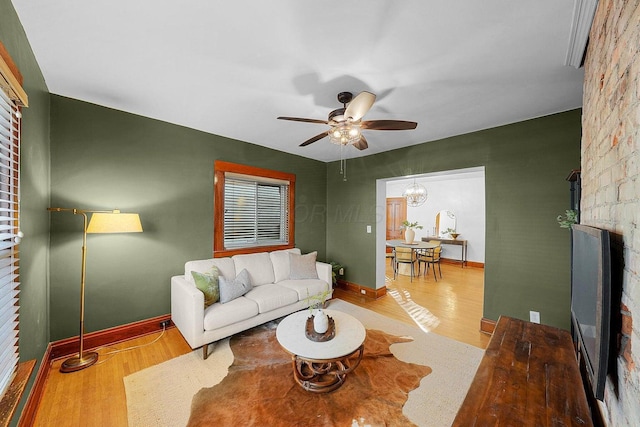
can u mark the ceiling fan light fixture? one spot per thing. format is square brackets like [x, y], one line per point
[346, 125]
[344, 133]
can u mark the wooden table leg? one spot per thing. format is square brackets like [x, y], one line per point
[324, 375]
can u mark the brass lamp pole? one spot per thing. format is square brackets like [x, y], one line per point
[101, 222]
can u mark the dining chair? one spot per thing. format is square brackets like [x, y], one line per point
[391, 255]
[430, 257]
[426, 253]
[404, 256]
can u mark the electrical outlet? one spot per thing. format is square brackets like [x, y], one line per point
[165, 323]
[534, 316]
[341, 272]
[363, 292]
[368, 229]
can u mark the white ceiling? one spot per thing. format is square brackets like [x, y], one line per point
[230, 68]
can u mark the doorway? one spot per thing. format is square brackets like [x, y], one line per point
[461, 191]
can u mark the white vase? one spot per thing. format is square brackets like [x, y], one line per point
[409, 235]
[320, 322]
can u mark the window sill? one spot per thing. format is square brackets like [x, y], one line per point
[14, 393]
[249, 250]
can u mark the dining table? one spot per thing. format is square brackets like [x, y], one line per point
[405, 269]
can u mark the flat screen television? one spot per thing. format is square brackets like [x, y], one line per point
[591, 301]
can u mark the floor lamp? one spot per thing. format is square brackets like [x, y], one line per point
[101, 222]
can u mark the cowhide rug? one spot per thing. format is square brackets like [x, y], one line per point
[260, 389]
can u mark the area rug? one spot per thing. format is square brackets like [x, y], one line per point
[166, 394]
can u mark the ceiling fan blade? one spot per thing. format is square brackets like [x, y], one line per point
[362, 144]
[314, 139]
[388, 125]
[298, 119]
[359, 106]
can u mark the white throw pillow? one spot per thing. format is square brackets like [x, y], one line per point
[303, 266]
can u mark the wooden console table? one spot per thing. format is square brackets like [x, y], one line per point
[460, 242]
[529, 376]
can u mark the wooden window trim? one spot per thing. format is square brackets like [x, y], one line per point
[220, 168]
[10, 73]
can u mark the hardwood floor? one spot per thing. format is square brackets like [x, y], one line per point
[96, 397]
[455, 300]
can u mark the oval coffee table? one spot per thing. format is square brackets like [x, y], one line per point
[321, 367]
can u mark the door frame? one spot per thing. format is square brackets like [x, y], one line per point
[381, 216]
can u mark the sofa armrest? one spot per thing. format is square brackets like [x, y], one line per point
[187, 310]
[324, 272]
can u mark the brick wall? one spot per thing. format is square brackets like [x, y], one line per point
[611, 178]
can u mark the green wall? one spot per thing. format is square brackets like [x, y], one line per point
[34, 187]
[104, 159]
[526, 165]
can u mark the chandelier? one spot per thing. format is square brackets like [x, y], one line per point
[415, 194]
[345, 133]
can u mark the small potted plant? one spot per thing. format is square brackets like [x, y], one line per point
[451, 232]
[409, 233]
[316, 304]
[569, 218]
[336, 270]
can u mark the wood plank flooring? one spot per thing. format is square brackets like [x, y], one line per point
[455, 300]
[96, 397]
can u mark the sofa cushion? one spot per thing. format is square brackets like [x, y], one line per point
[303, 266]
[221, 315]
[207, 283]
[258, 265]
[231, 289]
[271, 297]
[226, 267]
[280, 261]
[305, 287]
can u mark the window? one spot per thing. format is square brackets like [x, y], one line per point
[11, 98]
[255, 212]
[253, 209]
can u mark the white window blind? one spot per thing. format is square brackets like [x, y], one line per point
[9, 213]
[256, 213]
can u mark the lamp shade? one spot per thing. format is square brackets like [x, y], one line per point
[114, 222]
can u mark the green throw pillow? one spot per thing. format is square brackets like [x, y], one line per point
[208, 284]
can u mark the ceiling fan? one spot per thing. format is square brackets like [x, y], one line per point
[346, 123]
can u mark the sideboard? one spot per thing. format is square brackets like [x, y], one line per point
[462, 243]
[528, 376]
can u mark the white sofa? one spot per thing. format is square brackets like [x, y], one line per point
[274, 294]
